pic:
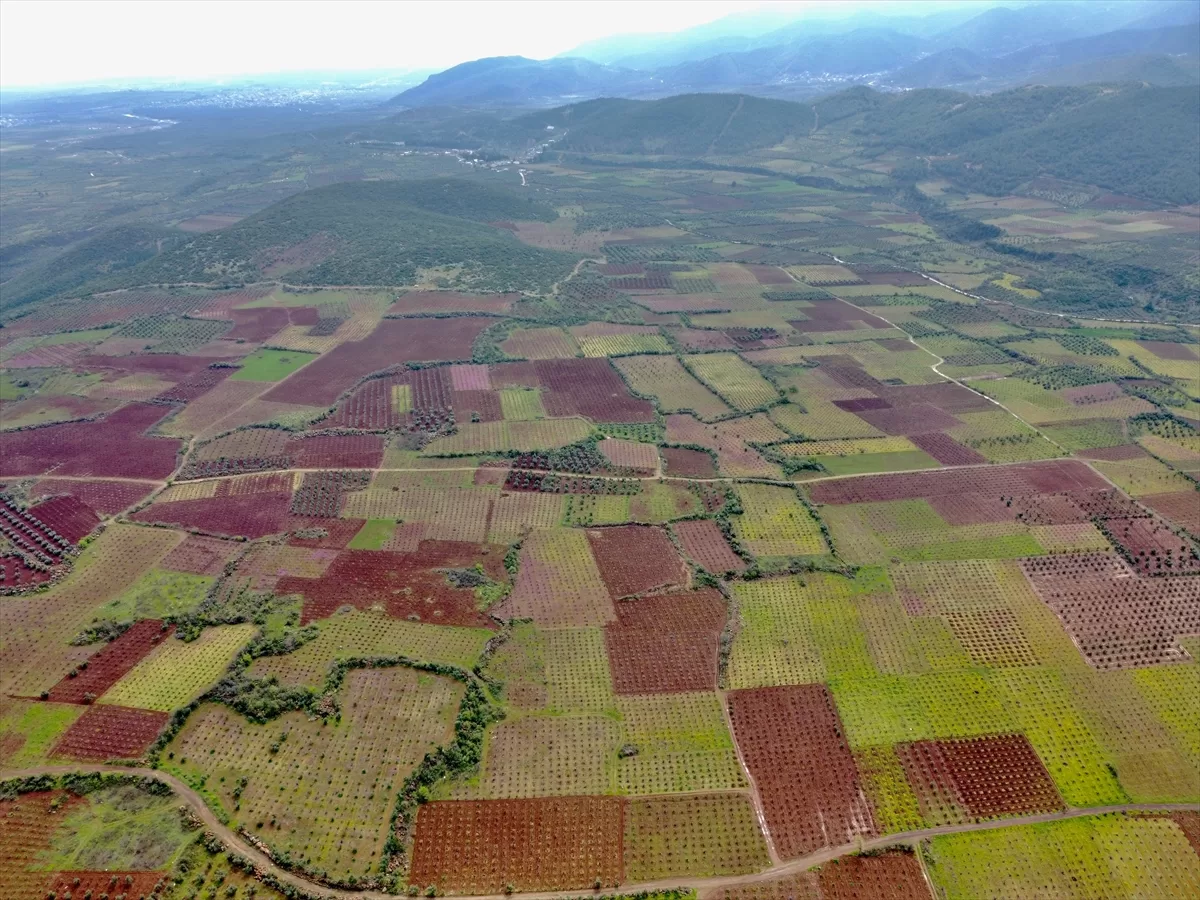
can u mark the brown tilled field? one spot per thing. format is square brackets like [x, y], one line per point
[666, 644]
[483, 846]
[794, 746]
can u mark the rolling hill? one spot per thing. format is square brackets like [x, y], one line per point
[106, 256]
[1133, 139]
[366, 232]
[1160, 69]
[517, 81]
[687, 125]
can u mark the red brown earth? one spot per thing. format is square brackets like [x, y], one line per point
[795, 749]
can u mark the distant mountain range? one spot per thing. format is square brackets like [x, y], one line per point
[1130, 138]
[1095, 58]
[1152, 41]
[517, 81]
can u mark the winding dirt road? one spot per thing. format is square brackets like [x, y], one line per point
[238, 844]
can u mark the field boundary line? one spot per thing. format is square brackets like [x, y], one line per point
[760, 811]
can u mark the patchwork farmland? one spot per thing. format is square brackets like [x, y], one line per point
[705, 560]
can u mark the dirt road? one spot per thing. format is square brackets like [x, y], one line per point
[238, 844]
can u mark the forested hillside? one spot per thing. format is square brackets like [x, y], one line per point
[1137, 140]
[690, 124]
[376, 232]
[103, 257]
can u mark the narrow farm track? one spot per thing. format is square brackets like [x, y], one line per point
[238, 844]
[51, 475]
[575, 271]
[962, 384]
[724, 479]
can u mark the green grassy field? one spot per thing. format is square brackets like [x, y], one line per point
[271, 365]
[156, 595]
[373, 534]
[118, 829]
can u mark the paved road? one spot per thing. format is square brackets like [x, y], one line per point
[239, 845]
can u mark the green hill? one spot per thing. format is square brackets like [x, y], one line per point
[108, 255]
[687, 125]
[1159, 69]
[1129, 138]
[1136, 140]
[367, 232]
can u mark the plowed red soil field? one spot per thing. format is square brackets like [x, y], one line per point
[1118, 620]
[19, 576]
[769, 275]
[1114, 454]
[193, 386]
[1152, 546]
[918, 418]
[369, 406]
[666, 644]
[893, 875]
[834, 315]
[945, 395]
[703, 542]
[514, 374]
[551, 843]
[484, 404]
[947, 450]
[247, 515]
[68, 515]
[337, 451]
[392, 343]
[111, 447]
[129, 884]
[338, 532]
[1181, 507]
[633, 559]
[845, 371]
[27, 824]
[111, 732]
[105, 497]
[592, 388]
[680, 462]
[200, 555]
[983, 777]
[1001, 481]
[407, 584]
[794, 746]
[889, 876]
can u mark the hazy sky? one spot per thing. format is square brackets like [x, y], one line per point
[69, 41]
[64, 41]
